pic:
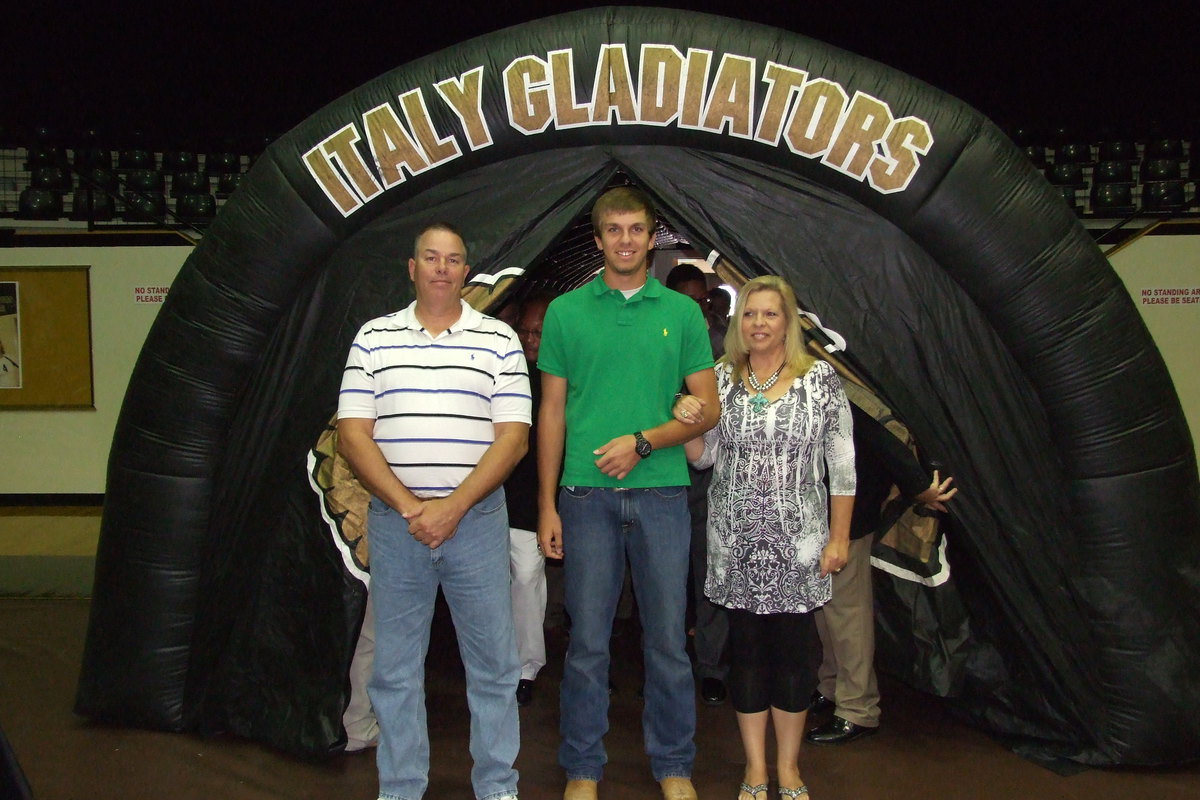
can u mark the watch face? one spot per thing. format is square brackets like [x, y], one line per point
[643, 447]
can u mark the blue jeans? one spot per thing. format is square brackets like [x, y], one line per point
[472, 569]
[601, 527]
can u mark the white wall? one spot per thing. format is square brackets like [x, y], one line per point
[1162, 261]
[66, 452]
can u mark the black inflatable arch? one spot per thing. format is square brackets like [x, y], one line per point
[907, 220]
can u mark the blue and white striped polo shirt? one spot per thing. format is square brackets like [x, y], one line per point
[434, 401]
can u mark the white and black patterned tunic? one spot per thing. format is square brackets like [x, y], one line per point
[768, 517]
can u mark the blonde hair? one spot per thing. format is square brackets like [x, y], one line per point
[795, 354]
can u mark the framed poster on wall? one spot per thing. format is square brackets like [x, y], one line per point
[45, 338]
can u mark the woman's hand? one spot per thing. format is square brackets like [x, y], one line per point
[834, 556]
[688, 409]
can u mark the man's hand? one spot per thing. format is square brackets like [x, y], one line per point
[550, 534]
[435, 521]
[936, 496]
[618, 457]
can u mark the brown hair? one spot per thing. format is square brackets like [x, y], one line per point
[620, 200]
[438, 226]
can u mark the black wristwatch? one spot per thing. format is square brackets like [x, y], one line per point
[643, 446]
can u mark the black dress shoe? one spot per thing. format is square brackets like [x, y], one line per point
[819, 703]
[838, 731]
[524, 692]
[712, 691]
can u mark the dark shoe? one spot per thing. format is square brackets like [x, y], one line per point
[819, 703]
[524, 692]
[838, 731]
[612, 688]
[712, 691]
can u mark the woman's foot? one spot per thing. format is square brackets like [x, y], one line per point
[791, 785]
[748, 792]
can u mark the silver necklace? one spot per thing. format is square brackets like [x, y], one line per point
[760, 401]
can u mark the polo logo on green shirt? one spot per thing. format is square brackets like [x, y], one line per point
[664, 331]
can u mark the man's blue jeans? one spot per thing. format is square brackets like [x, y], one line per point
[601, 526]
[472, 569]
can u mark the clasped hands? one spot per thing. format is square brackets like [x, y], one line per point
[433, 522]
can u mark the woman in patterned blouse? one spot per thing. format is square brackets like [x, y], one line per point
[774, 536]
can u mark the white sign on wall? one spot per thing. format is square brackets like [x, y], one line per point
[150, 294]
[1170, 296]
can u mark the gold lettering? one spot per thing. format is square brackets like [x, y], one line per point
[658, 83]
[613, 86]
[526, 91]
[464, 95]
[732, 97]
[815, 117]
[865, 123]
[694, 80]
[893, 170]
[391, 145]
[782, 83]
[567, 113]
[336, 189]
[436, 150]
[340, 148]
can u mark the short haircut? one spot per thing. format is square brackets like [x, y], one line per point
[438, 226]
[620, 200]
[682, 273]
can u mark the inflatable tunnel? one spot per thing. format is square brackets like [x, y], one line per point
[906, 220]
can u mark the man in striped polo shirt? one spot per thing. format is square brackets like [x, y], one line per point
[433, 414]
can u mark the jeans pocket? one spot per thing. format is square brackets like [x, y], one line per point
[492, 503]
[576, 492]
[670, 492]
[377, 506]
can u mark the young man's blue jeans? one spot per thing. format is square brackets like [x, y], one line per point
[472, 569]
[601, 526]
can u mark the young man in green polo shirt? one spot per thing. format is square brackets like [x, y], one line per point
[614, 353]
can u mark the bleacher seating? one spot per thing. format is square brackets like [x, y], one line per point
[1118, 150]
[227, 183]
[190, 183]
[1163, 196]
[1113, 198]
[1065, 173]
[136, 158]
[92, 204]
[1104, 176]
[177, 161]
[1113, 172]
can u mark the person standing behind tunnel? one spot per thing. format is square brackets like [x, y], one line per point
[525, 556]
[710, 628]
[846, 624]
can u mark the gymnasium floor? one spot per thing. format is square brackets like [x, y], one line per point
[920, 750]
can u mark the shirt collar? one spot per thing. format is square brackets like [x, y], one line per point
[651, 288]
[467, 320]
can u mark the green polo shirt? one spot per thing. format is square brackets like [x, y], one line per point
[623, 361]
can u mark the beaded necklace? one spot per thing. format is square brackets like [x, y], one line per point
[760, 401]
